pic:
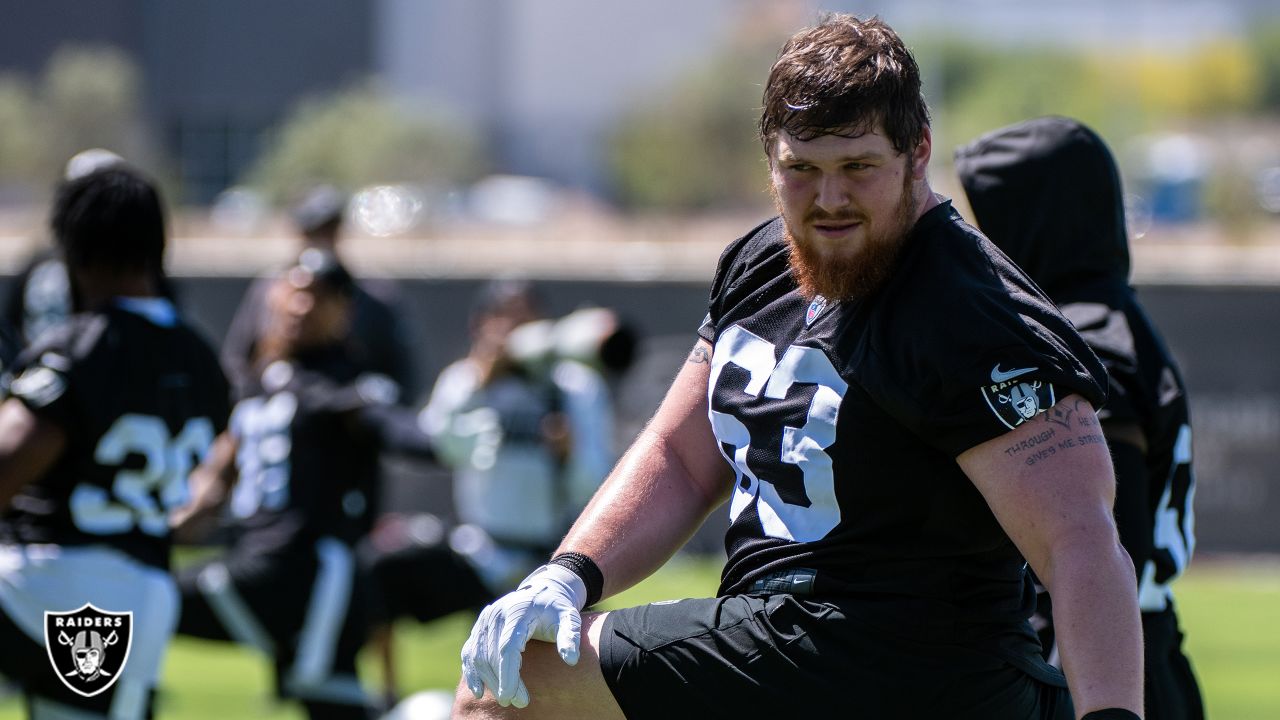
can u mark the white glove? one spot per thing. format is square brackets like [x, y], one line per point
[546, 606]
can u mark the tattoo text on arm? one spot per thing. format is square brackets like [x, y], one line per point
[1063, 428]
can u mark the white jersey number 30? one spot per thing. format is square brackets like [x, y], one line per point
[803, 446]
[141, 498]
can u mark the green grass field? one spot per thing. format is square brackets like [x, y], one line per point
[1230, 613]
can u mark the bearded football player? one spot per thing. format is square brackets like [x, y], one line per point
[850, 396]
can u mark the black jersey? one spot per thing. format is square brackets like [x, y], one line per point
[842, 421]
[140, 397]
[1147, 390]
[307, 465]
[1048, 193]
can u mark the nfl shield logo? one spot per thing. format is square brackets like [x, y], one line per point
[88, 647]
[815, 309]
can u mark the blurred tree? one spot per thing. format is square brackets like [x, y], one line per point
[91, 97]
[984, 89]
[1120, 92]
[362, 136]
[693, 146]
[23, 138]
[1264, 47]
[1215, 80]
[86, 97]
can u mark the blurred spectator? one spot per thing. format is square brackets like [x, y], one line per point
[377, 338]
[525, 421]
[1048, 193]
[527, 430]
[301, 453]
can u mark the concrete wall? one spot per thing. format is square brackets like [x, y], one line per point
[1225, 338]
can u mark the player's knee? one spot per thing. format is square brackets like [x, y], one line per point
[467, 707]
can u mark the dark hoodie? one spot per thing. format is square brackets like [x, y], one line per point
[1047, 193]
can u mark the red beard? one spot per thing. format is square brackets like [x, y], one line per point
[853, 277]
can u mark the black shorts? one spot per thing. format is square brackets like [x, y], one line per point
[423, 582]
[1171, 689]
[786, 656]
[1169, 684]
[302, 608]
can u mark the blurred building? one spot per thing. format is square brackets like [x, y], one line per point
[542, 80]
[545, 82]
[216, 75]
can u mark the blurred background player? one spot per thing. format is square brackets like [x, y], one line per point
[376, 336]
[297, 470]
[1048, 193]
[109, 411]
[40, 294]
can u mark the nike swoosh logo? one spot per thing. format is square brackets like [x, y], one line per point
[999, 376]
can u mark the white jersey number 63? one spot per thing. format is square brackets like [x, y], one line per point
[803, 446]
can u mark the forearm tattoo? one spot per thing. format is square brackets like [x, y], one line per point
[1063, 427]
[699, 355]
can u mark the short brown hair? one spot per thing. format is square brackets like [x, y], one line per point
[841, 77]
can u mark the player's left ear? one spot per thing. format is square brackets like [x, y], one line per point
[921, 154]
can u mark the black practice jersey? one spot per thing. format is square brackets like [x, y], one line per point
[307, 465]
[1146, 389]
[842, 421]
[140, 397]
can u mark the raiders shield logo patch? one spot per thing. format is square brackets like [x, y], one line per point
[88, 647]
[1015, 396]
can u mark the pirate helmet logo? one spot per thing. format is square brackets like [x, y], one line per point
[1017, 401]
[1024, 400]
[88, 647]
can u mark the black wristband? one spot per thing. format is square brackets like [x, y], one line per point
[585, 568]
[1111, 714]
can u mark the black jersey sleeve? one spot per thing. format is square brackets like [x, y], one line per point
[998, 388]
[1108, 333]
[971, 349]
[759, 254]
[45, 373]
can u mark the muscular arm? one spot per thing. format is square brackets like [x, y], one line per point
[29, 446]
[661, 491]
[1057, 508]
